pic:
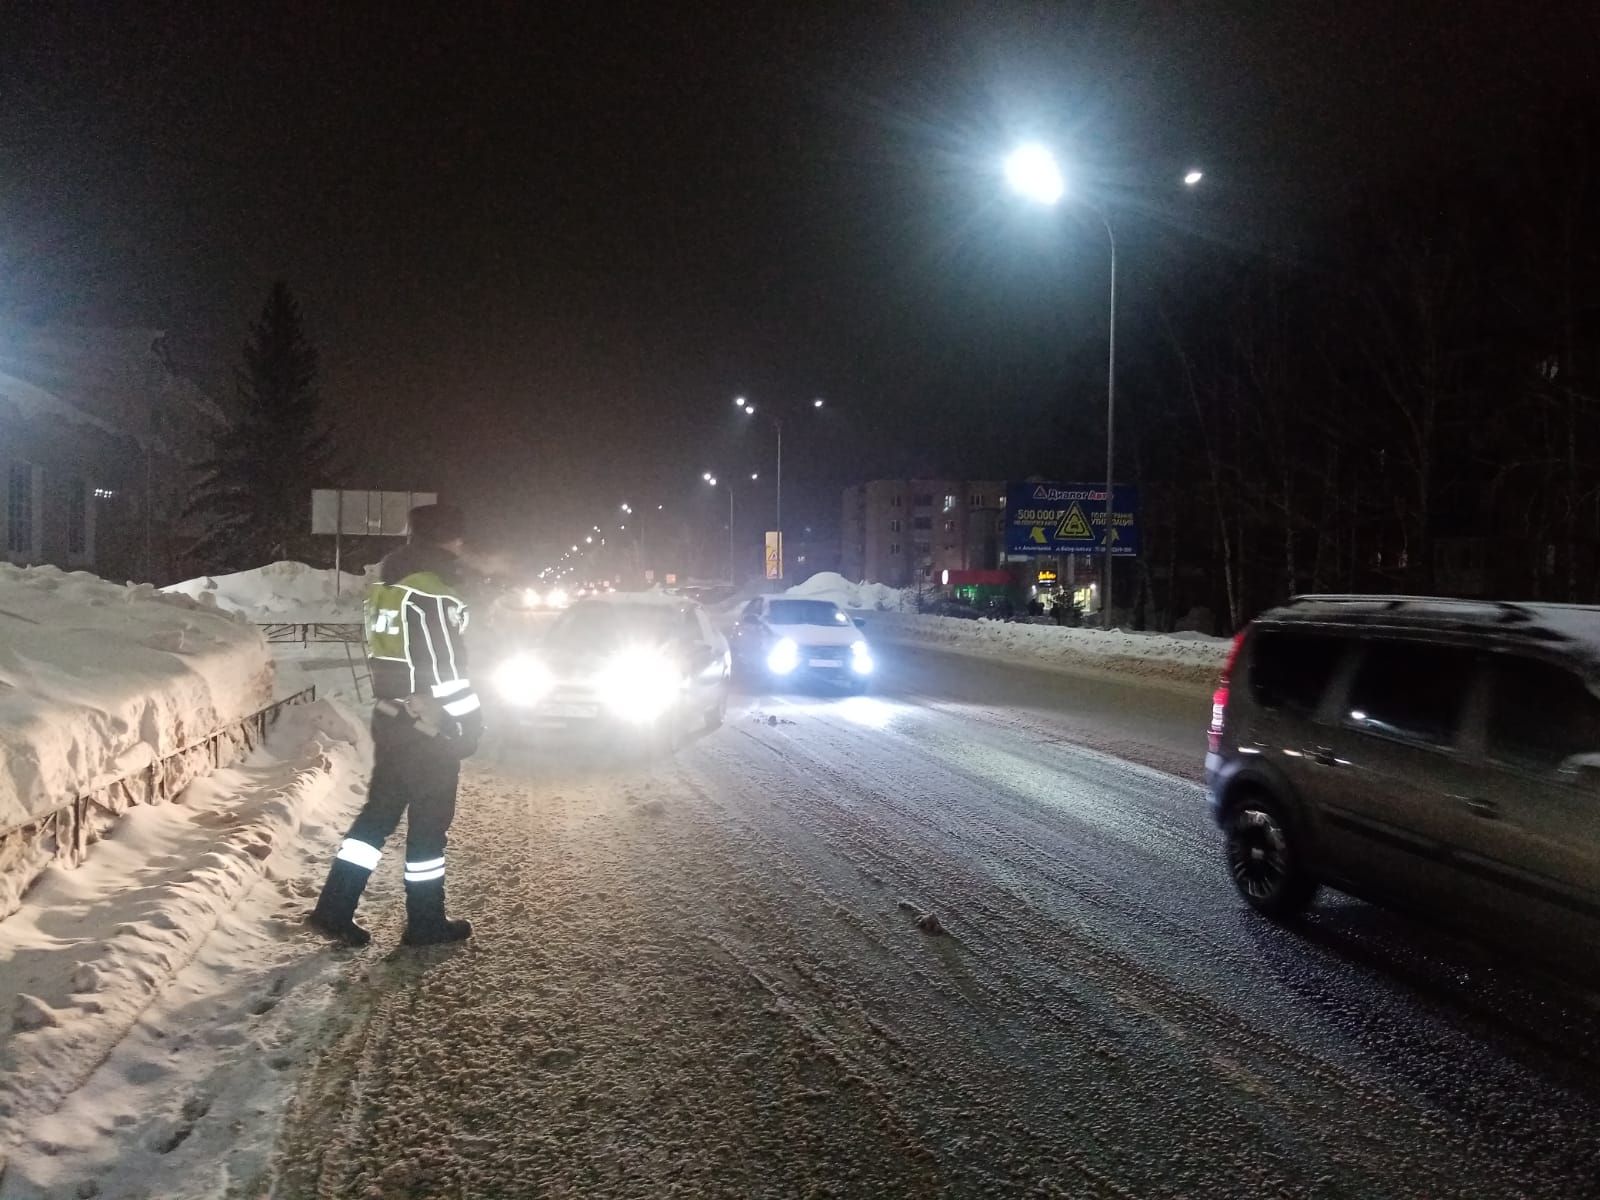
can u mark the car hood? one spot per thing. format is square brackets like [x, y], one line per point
[819, 635]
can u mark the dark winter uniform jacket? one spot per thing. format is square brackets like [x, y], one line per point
[416, 622]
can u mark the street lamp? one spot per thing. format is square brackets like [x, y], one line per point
[1032, 171]
[712, 480]
[749, 410]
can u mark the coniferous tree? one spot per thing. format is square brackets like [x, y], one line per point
[255, 490]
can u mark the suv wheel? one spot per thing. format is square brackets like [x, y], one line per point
[1265, 858]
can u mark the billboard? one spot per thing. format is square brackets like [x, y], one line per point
[774, 555]
[364, 514]
[1070, 518]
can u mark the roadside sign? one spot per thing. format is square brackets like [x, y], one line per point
[649, 574]
[364, 513]
[342, 512]
[672, 580]
[1070, 518]
[774, 555]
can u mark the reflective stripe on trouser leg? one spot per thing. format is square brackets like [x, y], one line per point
[425, 871]
[359, 853]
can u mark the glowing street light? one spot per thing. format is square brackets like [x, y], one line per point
[1193, 176]
[712, 480]
[1032, 171]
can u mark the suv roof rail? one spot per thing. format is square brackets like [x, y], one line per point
[1508, 609]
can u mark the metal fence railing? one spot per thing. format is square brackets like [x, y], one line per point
[64, 835]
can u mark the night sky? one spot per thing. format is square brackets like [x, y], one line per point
[543, 248]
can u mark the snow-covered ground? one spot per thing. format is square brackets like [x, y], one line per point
[1182, 659]
[97, 680]
[829, 585]
[146, 980]
[1185, 659]
[294, 594]
[129, 979]
[282, 592]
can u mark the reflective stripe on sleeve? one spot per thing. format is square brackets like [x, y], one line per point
[428, 865]
[460, 708]
[425, 876]
[359, 853]
[449, 688]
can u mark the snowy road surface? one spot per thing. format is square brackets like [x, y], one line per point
[723, 976]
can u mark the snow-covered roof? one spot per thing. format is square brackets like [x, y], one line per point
[34, 401]
[117, 379]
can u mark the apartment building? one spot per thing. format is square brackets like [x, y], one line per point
[900, 531]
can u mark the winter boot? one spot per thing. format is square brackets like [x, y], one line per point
[426, 924]
[335, 912]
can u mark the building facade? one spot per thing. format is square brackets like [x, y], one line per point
[905, 531]
[99, 435]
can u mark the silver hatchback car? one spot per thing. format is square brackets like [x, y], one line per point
[1423, 753]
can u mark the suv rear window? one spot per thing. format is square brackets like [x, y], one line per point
[1292, 670]
[1411, 690]
[1540, 714]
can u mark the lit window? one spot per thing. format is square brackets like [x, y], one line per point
[949, 503]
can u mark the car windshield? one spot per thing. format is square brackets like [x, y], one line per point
[592, 625]
[806, 612]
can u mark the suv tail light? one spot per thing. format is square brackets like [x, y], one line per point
[1219, 698]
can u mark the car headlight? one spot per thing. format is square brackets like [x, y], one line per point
[860, 658]
[639, 685]
[530, 598]
[784, 657]
[523, 680]
[557, 598]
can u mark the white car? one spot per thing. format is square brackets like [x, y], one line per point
[787, 638]
[618, 666]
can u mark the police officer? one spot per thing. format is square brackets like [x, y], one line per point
[425, 722]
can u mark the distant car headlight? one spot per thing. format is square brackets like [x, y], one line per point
[523, 680]
[860, 658]
[639, 686]
[784, 657]
[531, 598]
[557, 598]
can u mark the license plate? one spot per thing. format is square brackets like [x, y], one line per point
[824, 662]
[574, 712]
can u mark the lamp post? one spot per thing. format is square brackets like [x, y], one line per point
[749, 410]
[712, 480]
[1032, 171]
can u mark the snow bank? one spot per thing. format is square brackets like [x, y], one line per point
[829, 585]
[284, 592]
[99, 680]
[1182, 658]
[91, 949]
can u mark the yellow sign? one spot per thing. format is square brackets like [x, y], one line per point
[1047, 576]
[774, 555]
[1075, 526]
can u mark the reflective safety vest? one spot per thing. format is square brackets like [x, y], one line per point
[415, 641]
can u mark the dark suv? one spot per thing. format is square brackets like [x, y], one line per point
[1425, 753]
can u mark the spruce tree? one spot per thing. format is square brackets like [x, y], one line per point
[255, 490]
